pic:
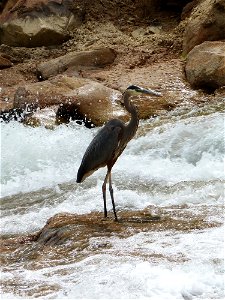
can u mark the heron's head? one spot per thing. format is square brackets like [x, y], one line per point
[137, 90]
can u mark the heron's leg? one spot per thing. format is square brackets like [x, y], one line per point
[104, 193]
[111, 194]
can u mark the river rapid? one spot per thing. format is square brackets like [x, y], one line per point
[173, 162]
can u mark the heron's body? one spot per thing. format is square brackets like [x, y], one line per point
[105, 147]
[109, 143]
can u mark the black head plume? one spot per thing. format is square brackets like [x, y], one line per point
[139, 89]
[133, 87]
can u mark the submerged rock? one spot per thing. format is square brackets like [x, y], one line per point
[42, 117]
[74, 237]
[205, 66]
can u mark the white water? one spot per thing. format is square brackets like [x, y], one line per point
[180, 162]
[183, 151]
[122, 276]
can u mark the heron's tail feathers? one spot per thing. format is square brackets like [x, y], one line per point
[82, 174]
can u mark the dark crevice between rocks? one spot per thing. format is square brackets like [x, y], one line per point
[17, 114]
[173, 5]
[208, 88]
[2, 5]
[65, 113]
[69, 112]
[11, 115]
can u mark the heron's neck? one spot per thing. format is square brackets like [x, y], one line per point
[132, 126]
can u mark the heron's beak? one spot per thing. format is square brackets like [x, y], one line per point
[150, 92]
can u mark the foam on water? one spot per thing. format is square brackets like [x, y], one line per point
[175, 267]
[33, 158]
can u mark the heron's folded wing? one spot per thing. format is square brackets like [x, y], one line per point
[101, 150]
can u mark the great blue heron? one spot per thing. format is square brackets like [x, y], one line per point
[110, 142]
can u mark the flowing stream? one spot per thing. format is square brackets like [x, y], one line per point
[173, 161]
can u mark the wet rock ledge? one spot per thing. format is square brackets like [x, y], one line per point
[77, 236]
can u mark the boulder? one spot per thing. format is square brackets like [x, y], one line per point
[76, 99]
[206, 23]
[149, 106]
[92, 103]
[205, 65]
[83, 98]
[76, 61]
[39, 22]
